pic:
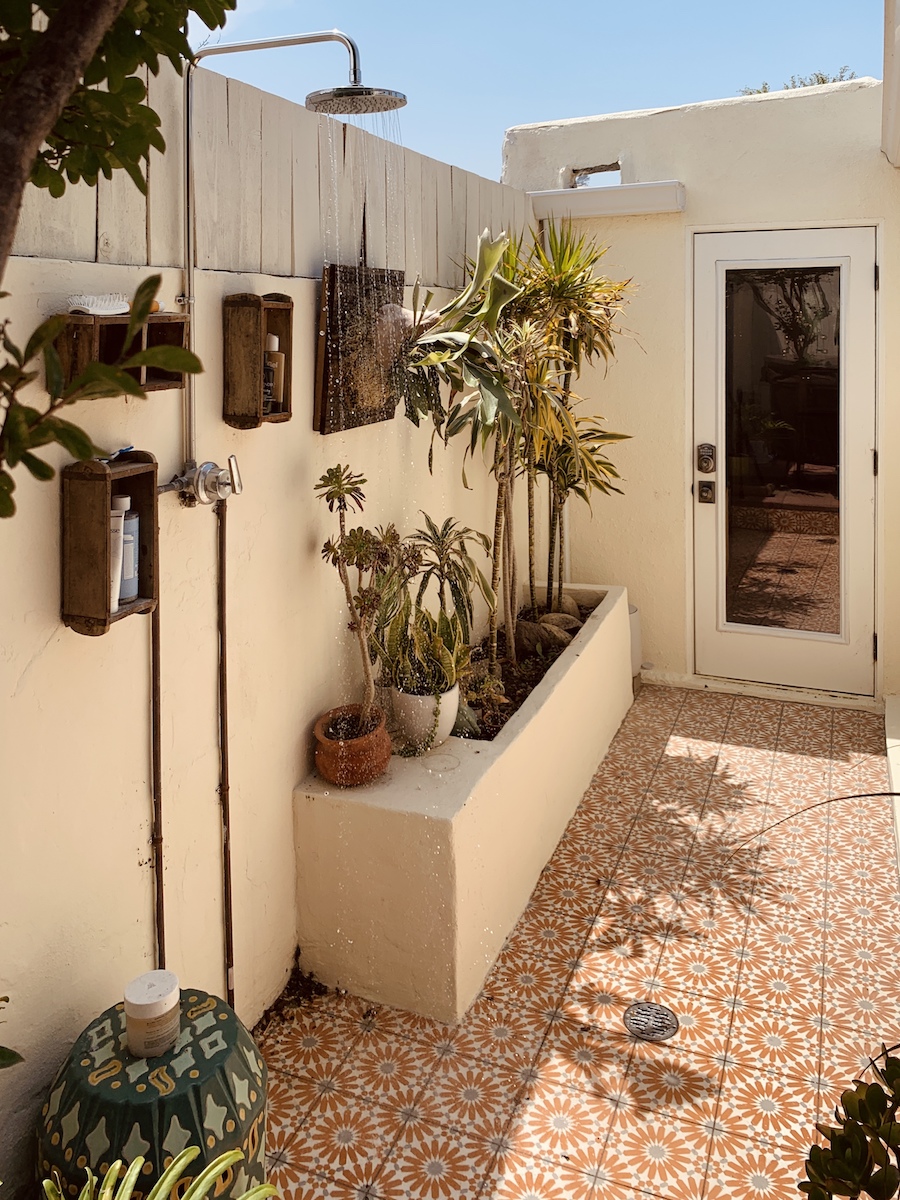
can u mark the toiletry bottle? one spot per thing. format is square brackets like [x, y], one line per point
[130, 549]
[116, 538]
[274, 362]
[152, 1013]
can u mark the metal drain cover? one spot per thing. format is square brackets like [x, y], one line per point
[650, 1022]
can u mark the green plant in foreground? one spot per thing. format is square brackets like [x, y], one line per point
[168, 1184]
[24, 428]
[447, 562]
[862, 1157]
[424, 655]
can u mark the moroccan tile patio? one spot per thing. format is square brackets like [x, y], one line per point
[774, 947]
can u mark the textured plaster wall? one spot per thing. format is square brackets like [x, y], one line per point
[797, 158]
[77, 888]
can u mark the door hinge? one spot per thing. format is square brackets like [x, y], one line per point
[874, 647]
[876, 277]
[874, 462]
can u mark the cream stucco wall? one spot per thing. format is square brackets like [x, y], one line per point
[802, 158]
[77, 886]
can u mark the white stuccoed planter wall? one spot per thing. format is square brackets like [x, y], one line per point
[408, 887]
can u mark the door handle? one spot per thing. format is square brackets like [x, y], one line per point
[706, 458]
[706, 492]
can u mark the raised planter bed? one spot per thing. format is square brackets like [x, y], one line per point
[408, 887]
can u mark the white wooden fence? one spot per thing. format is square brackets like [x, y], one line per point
[278, 189]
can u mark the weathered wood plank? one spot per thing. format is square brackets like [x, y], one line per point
[63, 228]
[428, 252]
[165, 172]
[376, 207]
[307, 228]
[212, 171]
[121, 218]
[458, 193]
[413, 206]
[331, 173]
[351, 196]
[240, 238]
[276, 208]
[395, 185]
[447, 251]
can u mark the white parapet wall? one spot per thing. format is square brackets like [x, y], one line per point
[408, 887]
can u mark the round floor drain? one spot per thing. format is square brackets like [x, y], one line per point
[650, 1022]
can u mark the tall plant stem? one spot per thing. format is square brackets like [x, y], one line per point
[510, 574]
[369, 696]
[529, 483]
[551, 548]
[561, 521]
[496, 555]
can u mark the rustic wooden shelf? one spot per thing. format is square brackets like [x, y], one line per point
[88, 339]
[246, 322]
[87, 491]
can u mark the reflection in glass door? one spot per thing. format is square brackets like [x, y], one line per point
[782, 447]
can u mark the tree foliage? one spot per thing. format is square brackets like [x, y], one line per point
[816, 79]
[106, 123]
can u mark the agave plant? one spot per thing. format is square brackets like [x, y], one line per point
[168, 1185]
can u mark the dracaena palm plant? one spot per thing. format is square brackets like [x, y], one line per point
[563, 315]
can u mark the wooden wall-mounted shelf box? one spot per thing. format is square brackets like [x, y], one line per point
[87, 491]
[88, 339]
[246, 321]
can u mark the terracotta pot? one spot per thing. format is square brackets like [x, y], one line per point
[352, 761]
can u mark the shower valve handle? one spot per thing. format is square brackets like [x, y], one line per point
[210, 482]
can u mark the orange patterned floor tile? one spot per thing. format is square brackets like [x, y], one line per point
[696, 873]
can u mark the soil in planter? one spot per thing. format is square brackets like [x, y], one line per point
[347, 727]
[519, 681]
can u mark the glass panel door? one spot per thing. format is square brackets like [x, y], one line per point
[782, 447]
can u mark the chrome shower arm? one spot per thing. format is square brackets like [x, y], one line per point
[299, 39]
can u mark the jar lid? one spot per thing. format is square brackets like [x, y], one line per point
[152, 995]
[121, 503]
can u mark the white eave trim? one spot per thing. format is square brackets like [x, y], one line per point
[618, 200]
[890, 111]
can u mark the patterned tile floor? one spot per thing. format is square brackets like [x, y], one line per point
[775, 950]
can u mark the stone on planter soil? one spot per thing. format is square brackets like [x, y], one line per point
[531, 634]
[561, 621]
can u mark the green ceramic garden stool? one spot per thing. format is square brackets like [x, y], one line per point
[208, 1091]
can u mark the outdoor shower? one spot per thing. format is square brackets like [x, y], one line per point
[208, 483]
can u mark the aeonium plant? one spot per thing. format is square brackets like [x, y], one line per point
[369, 563]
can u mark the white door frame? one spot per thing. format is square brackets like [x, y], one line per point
[828, 243]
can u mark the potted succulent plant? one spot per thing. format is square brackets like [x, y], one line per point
[352, 742]
[424, 657]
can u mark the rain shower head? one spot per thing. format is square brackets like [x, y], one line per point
[354, 98]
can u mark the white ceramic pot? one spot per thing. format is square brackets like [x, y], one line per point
[415, 717]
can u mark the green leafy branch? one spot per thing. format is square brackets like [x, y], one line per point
[25, 428]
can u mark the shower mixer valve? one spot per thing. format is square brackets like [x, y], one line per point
[207, 482]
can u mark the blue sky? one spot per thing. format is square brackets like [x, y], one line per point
[471, 69]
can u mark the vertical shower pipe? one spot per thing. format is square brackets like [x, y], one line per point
[189, 429]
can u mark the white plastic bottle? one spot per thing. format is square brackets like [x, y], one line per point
[128, 589]
[116, 547]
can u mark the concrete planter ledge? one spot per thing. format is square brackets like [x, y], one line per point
[408, 887]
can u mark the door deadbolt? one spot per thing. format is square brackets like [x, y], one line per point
[706, 493]
[706, 458]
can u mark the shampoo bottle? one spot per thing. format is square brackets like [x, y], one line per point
[130, 548]
[273, 371]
